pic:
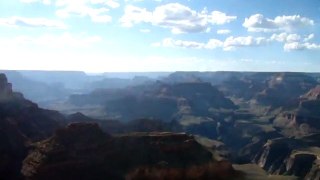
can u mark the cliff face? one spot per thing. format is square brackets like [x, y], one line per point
[21, 122]
[298, 157]
[304, 119]
[83, 151]
[5, 87]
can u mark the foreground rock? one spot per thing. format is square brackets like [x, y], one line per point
[21, 122]
[83, 151]
[291, 156]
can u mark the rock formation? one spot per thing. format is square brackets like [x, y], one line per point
[289, 156]
[21, 122]
[5, 87]
[83, 151]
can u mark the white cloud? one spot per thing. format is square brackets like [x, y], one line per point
[285, 37]
[214, 43]
[179, 18]
[228, 44]
[95, 9]
[291, 42]
[294, 42]
[291, 46]
[168, 42]
[223, 31]
[32, 22]
[112, 4]
[134, 15]
[231, 43]
[96, 14]
[217, 17]
[258, 23]
[242, 41]
[176, 17]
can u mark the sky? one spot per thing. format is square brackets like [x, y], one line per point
[160, 35]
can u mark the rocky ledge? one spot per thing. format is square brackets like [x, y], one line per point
[83, 151]
[289, 156]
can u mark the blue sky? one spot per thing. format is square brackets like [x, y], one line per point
[160, 35]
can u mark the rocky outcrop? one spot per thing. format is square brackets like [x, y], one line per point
[5, 87]
[21, 122]
[83, 151]
[313, 94]
[287, 156]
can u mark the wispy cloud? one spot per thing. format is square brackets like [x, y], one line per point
[46, 2]
[51, 40]
[223, 31]
[97, 10]
[145, 30]
[16, 21]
